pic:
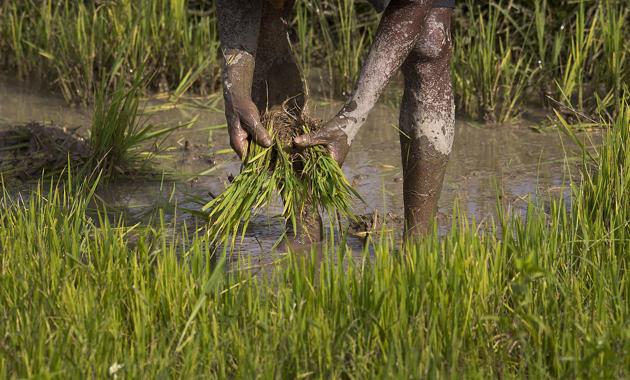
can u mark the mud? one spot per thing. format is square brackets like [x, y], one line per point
[400, 29]
[374, 223]
[427, 121]
[34, 149]
[507, 164]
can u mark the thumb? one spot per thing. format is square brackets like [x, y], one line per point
[260, 136]
[250, 119]
[309, 139]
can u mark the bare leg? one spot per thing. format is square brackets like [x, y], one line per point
[413, 34]
[276, 79]
[397, 34]
[427, 121]
[276, 76]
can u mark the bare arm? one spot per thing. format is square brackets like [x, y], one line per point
[396, 35]
[239, 26]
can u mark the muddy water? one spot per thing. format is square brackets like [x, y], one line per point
[512, 162]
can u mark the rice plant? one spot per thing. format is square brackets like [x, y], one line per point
[548, 50]
[507, 53]
[490, 74]
[547, 298]
[310, 176]
[614, 70]
[346, 38]
[118, 135]
[572, 82]
[604, 192]
[74, 45]
[306, 38]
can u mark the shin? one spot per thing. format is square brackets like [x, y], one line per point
[427, 119]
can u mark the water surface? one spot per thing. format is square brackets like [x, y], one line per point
[509, 163]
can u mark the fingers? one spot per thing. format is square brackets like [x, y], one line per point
[244, 124]
[259, 135]
[333, 137]
[238, 137]
[337, 156]
[250, 120]
[310, 139]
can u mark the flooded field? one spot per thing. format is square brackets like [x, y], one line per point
[510, 163]
[114, 269]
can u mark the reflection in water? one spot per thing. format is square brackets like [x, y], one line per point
[512, 162]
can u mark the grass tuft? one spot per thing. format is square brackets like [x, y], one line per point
[119, 135]
[547, 298]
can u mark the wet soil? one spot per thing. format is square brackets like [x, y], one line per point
[508, 164]
[29, 150]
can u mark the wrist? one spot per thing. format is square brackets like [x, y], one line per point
[348, 125]
[238, 73]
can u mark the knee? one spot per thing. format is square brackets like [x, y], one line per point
[435, 45]
[430, 59]
[434, 49]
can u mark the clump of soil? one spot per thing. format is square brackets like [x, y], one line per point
[368, 224]
[27, 151]
[286, 122]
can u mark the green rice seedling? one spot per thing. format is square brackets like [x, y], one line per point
[346, 35]
[626, 33]
[548, 49]
[614, 70]
[349, 49]
[117, 134]
[83, 295]
[305, 31]
[311, 176]
[118, 142]
[75, 45]
[14, 37]
[572, 83]
[579, 52]
[546, 297]
[606, 186]
[489, 73]
[540, 24]
[49, 44]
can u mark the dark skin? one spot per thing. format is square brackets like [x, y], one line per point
[428, 91]
[411, 35]
[265, 75]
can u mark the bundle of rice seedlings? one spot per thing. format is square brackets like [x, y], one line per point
[302, 178]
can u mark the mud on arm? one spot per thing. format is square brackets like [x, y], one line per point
[239, 26]
[395, 37]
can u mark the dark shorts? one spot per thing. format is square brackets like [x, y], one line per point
[380, 5]
[443, 3]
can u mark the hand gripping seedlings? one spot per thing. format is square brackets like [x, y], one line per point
[309, 176]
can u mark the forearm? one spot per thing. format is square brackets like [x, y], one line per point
[239, 26]
[395, 37]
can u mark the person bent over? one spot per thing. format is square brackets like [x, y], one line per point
[259, 71]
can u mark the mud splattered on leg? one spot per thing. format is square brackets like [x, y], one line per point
[427, 122]
[397, 34]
